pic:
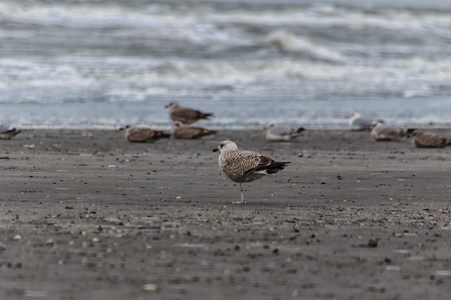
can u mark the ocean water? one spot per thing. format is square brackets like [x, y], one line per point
[103, 64]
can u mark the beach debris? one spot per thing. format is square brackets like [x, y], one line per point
[279, 133]
[385, 133]
[181, 131]
[35, 294]
[429, 140]
[6, 133]
[372, 243]
[150, 287]
[142, 134]
[359, 123]
[185, 115]
[245, 166]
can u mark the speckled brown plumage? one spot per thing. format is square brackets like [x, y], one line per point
[142, 134]
[245, 166]
[185, 115]
[7, 133]
[384, 133]
[429, 140]
[180, 131]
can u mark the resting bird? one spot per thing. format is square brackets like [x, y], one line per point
[180, 131]
[278, 133]
[185, 115]
[384, 133]
[245, 166]
[429, 140]
[7, 133]
[357, 122]
[142, 134]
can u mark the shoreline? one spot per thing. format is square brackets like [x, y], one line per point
[86, 215]
[344, 127]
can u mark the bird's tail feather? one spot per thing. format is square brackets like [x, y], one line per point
[274, 167]
[206, 115]
[300, 129]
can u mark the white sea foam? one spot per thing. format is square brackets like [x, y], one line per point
[289, 43]
[105, 15]
[87, 63]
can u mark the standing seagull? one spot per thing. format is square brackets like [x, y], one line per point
[383, 133]
[7, 133]
[278, 133]
[184, 114]
[142, 134]
[245, 166]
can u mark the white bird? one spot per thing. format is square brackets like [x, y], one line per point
[185, 115]
[357, 122]
[245, 166]
[7, 133]
[279, 133]
[385, 133]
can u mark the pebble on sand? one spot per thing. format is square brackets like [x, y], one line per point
[150, 287]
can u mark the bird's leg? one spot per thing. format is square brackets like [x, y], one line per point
[242, 197]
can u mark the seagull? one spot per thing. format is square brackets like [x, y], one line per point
[184, 114]
[384, 133]
[278, 133]
[357, 122]
[142, 134]
[7, 133]
[245, 166]
[181, 131]
[429, 140]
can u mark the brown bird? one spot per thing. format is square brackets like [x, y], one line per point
[380, 132]
[7, 133]
[180, 131]
[429, 140]
[245, 166]
[185, 115]
[142, 134]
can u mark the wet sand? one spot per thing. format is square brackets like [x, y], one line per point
[87, 215]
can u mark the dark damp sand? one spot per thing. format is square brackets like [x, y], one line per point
[87, 215]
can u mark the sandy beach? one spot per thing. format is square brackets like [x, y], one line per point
[87, 215]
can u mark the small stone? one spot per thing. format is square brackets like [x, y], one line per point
[178, 197]
[150, 287]
[372, 243]
[17, 237]
[95, 240]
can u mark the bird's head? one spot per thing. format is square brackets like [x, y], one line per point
[226, 146]
[172, 104]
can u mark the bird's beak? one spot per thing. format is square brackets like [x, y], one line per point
[166, 106]
[216, 149]
[122, 128]
[265, 127]
[348, 116]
